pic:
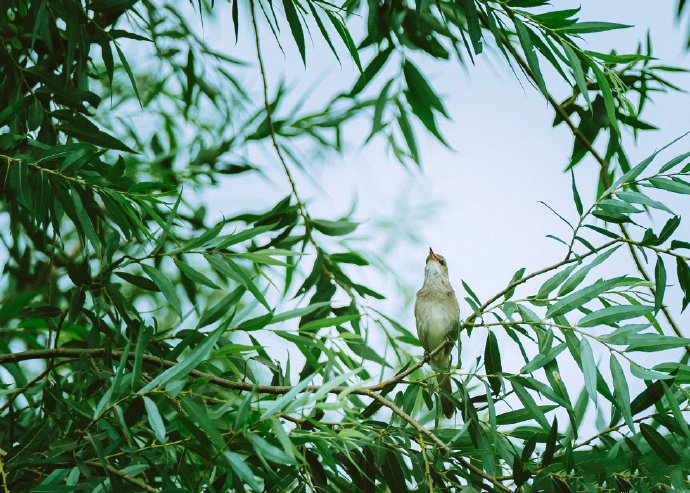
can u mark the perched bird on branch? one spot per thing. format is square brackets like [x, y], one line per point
[437, 314]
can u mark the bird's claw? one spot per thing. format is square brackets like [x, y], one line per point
[427, 356]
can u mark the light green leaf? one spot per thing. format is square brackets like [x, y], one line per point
[592, 27]
[655, 342]
[523, 33]
[181, 369]
[222, 307]
[528, 401]
[287, 398]
[581, 297]
[589, 369]
[580, 275]
[578, 74]
[243, 471]
[268, 451]
[195, 275]
[165, 285]
[329, 322]
[607, 95]
[639, 198]
[621, 391]
[155, 419]
[614, 314]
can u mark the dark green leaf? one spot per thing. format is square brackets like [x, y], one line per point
[659, 444]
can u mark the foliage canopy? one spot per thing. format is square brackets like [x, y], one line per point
[133, 329]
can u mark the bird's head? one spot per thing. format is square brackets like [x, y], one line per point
[435, 265]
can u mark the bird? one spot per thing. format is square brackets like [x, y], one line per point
[437, 313]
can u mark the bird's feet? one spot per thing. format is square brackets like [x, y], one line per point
[427, 356]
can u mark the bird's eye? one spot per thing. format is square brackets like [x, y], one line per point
[443, 261]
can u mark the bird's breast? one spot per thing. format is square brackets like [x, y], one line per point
[435, 318]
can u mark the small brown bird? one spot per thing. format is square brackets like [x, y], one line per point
[437, 313]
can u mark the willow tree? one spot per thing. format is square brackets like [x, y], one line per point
[133, 327]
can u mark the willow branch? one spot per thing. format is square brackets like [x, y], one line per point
[469, 322]
[604, 172]
[241, 386]
[439, 443]
[124, 476]
[271, 127]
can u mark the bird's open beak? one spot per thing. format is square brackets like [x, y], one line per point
[432, 256]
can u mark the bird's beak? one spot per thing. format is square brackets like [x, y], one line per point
[432, 256]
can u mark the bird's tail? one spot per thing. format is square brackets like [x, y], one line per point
[444, 384]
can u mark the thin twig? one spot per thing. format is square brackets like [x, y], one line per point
[271, 128]
[262, 389]
[442, 446]
[604, 171]
[137, 482]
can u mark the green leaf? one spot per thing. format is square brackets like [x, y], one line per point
[155, 419]
[370, 72]
[606, 93]
[580, 275]
[138, 281]
[528, 401]
[329, 322]
[286, 399]
[520, 415]
[659, 444]
[684, 279]
[125, 65]
[621, 391]
[226, 241]
[673, 162]
[582, 296]
[656, 342]
[550, 447]
[241, 276]
[680, 244]
[408, 133]
[165, 285]
[674, 186]
[668, 229]
[614, 314]
[268, 451]
[299, 312]
[578, 74]
[223, 307]
[334, 228]
[195, 275]
[589, 369]
[675, 409]
[555, 281]
[576, 194]
[523, 33]
[181, 369]
[492, 362]
[344, 34]
[295, 26]
[613, 207]
[659, 283]
[240, 467]
[639, 198]
[646, 374]
[542, 359]
[592, 27]
[381, 103]
[421, 88]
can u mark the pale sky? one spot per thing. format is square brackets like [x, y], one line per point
[507, 157]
